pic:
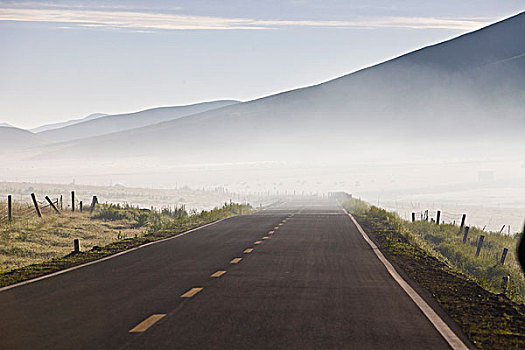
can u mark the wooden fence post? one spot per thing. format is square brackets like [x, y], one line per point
[465, 234]
[77, 245]
[72, 201]
[33, 197]
[80, 206]
[61, 206]
[52, 205]
[10, 208]
[94, 201]
[480, 244]
[438, 216]
[413, 217]
[503, 256]
[463, 218]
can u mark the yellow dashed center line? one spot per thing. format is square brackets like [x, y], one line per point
[276, 228]
[271, 232]
[248, 251]
[235, 261]
[218, 274]
[281, 224]
[266, 237]
[257, 242]
[148, 322]
[191, 293]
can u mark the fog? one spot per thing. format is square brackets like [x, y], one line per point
[439, 125]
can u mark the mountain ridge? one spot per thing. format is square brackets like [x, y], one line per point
[118, 122]
[52, 126]
[460, 90]
[14, 139]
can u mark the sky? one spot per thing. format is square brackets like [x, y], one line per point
[62, 60]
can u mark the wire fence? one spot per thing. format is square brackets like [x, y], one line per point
[490, 224]
[23, 210]
[12, 210]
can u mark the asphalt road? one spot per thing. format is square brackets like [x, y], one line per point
[313, 283]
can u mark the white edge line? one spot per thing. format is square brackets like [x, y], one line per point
[451, 338]
[3, 289]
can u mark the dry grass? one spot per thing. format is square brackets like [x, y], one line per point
[29, 239]
[145, 198]
[38, 246]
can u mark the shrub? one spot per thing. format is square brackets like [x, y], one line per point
[111, 213]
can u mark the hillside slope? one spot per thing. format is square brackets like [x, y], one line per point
[15, 139]
[119, 122]
[470, 89]
[52, 126]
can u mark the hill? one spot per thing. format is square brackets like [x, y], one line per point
[47, 127]
[468, 90]
[15, 139]
[114, 123]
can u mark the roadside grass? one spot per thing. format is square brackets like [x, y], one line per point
[30, 239]
[31, 247]
[445, 242]
[160, 198]
[486, 268]
[467, 287]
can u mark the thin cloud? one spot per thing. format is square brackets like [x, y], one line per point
[99, 6]
[136, 20]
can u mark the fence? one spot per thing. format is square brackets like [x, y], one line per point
[12, 210]
[488, 247]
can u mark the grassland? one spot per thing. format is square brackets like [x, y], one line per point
[144, 197]
[486, 269]
[30, 239]
[467, 287]
[31, 246]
